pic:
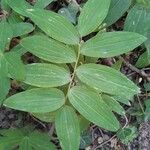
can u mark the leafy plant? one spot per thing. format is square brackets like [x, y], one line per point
[127, 134]
[138, 21]
[65, 91]
[24, 138]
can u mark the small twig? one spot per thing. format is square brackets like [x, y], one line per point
[140, 72]
[144, 95]
[41, 123]
[140, 104]
[51, 130]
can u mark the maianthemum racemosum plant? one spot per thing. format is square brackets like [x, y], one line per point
[59, 93]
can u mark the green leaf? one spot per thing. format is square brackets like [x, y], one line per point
[122, 99]
[67, 128]
[46, 75]
[84, 123]
[25, 144]
[127, 134]
[14, 18]
[5, 35]
[107, 80]
[147, 45]
[16, 68]
[24, 139]
[147, 110]
[4, 88]
[41, 141]
[117, 65]
[42, 3]
[19, 6]
[143, 60]
[4, 6]
[138, 20]
[145, 3]
[86, 139]
[19, 50]
[21, 28]
[54, 25]
[70, 12]
[49, 49]
[46, 117]
[147, 86]
[111, 44]
[10, 138]
[40, 100]
[116, 10]
[4, 81]
[92, 15]
[113, 104]
[90, 104]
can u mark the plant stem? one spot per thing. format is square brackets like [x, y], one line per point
[74, 71]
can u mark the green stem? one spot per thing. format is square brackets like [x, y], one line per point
[74, 71]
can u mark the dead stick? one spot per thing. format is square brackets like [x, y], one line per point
[140, 72]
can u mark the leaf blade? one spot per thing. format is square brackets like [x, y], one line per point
[116, 10]
[42, 3]
[92, 15]
[54, 25]
[90, 104]
[5, 35]
[107, 80]
[21, 28]
[111, 44]
[67, 127]
[49, 49]
[19, 6]
[113, 104]
[16, 68]
[30, 100]
[46, 75]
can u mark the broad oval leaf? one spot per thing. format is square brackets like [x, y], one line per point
[107, 80]
[14, 18]
[46, 75]
[143, 60]
[19, 6]
[40, 100]
[21, 28]
[122, 99]
[4, 88]
[67, 128]
[54, 25]
[16, 68]
[116, 10]
[4, 6]
[42, 3]
[46, 117]
[4, 81]
[92, 15]
[49, 49]
[90, 104]
[111, 44]
[113, 104]
[138, 20]
[41, 141]
[5, 35]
